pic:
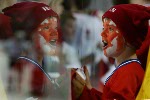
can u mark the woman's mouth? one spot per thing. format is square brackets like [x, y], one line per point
[104, 44]
[53, 42]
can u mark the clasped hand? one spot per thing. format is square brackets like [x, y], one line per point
[78, 83]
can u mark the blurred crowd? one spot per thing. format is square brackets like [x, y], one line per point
[79, 44]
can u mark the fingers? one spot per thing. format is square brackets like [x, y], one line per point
[77, 88]
[88, 83]
[79, 78]
[86, 73]
[77, 85]
[73, 72]
[73, 69]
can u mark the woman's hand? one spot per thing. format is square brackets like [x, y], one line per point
[78, 83]
[88, 83]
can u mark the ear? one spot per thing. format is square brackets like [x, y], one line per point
[131, 46]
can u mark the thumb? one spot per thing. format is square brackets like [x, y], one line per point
[88, 83]
[86, 73]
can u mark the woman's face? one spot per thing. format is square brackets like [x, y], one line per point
[48, 35]
[113, 41]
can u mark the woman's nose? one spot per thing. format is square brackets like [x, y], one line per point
[103, 34]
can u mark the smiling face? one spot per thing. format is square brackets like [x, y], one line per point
[113, 41]
[47, 36]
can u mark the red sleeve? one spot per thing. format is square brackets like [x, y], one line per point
[121, 90]
[92, 94]
[124, 84]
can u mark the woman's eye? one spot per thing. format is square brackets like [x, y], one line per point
[46, 27]
[111, 29]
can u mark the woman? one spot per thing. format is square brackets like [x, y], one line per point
[125, 29]
[39, 23]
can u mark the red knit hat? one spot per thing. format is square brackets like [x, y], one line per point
[27, 16]
[132, 20]
[5, 27]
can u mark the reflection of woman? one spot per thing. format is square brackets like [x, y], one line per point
[125, 29]
[39, 22]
